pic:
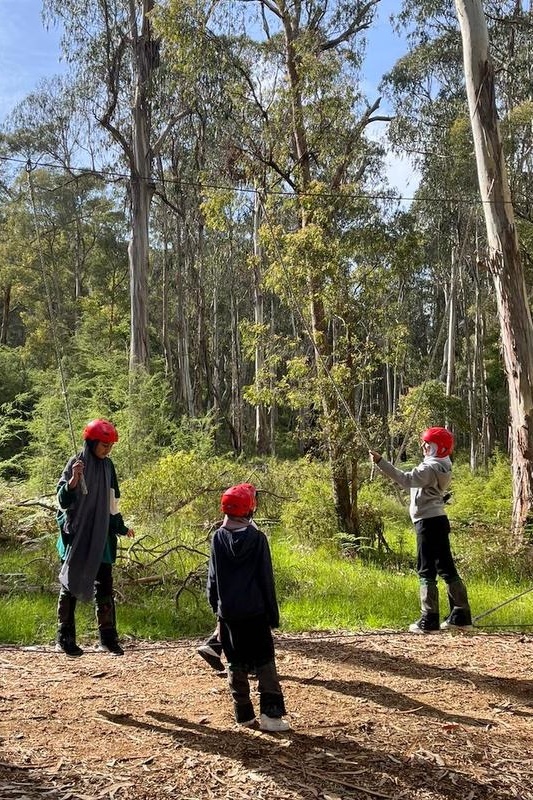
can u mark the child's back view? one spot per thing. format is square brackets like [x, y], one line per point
[240, 590]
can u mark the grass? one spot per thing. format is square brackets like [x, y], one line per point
[337, 594]
[317, 588]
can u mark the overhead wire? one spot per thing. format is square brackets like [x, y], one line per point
[391, 196]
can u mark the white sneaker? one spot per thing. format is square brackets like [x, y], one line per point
[449, 626]
[273, 723]
[415, 628]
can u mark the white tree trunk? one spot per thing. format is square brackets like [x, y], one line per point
[261, 418]
[504, 256]
[452, 324]
[141, 186]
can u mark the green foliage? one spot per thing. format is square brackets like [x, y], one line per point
[483, 497]
[137, 403]
[369, 539]
[13, 375]
[309, 518]
[15, 408]
[425, 406]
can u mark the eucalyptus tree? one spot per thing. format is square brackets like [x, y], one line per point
[323, 158]
[48, 127]
[436, 112]
[299, 126]
[117, 58]
[504, 256]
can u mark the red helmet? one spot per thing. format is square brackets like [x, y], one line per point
[238, 501]
[253, 492]
[101, 430]
[441, 437]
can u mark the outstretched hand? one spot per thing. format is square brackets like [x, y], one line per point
[374, 456]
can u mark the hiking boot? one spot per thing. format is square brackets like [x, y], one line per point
[68, 646]
[273, 724]
[426, 624]
[210, 655]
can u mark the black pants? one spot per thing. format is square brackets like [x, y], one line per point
[249, 647]
[433, 552]
[434, 558]
[104, 601]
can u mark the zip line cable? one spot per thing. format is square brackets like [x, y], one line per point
[55, 339]
[114, 176]
[501, 605]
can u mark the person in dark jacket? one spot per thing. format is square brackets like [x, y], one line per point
[428, 484]
[211, 649]
[240, 590]
[89, 523]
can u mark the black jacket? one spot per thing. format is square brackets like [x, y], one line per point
[240, 581]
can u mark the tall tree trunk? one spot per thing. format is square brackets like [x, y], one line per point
[139, 152]
[504, 256]
[236, 398]
[165, 284]
[184, 360]
[138, 257]
[262, 439]
[6, 307]
[452, 324]
[141, 185]
[341, 483]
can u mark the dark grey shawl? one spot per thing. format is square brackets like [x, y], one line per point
[87, 525]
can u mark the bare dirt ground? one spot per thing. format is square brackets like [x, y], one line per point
[373, 715]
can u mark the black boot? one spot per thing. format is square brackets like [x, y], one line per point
[244, 713]
[429, 605]
[66, 641]
[109, 642]
[66, 628]
[460, 617]
[105, 612]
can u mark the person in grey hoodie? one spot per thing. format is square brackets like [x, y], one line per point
[428, 484]
[240, 590]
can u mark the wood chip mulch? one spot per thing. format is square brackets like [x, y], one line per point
[374, 715]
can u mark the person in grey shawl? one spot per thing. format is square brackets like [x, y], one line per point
[428, 484]
[89, 523]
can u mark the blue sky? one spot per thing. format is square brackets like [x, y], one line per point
[29, 53]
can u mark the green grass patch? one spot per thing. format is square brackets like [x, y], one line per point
[319, 587]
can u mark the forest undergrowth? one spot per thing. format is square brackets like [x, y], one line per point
[325, 581]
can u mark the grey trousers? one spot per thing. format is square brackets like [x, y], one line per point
[271, 700]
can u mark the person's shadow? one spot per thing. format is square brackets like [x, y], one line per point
[396, 702]
[315, 763]
[408, 667]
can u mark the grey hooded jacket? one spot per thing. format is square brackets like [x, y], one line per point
[428, 483]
